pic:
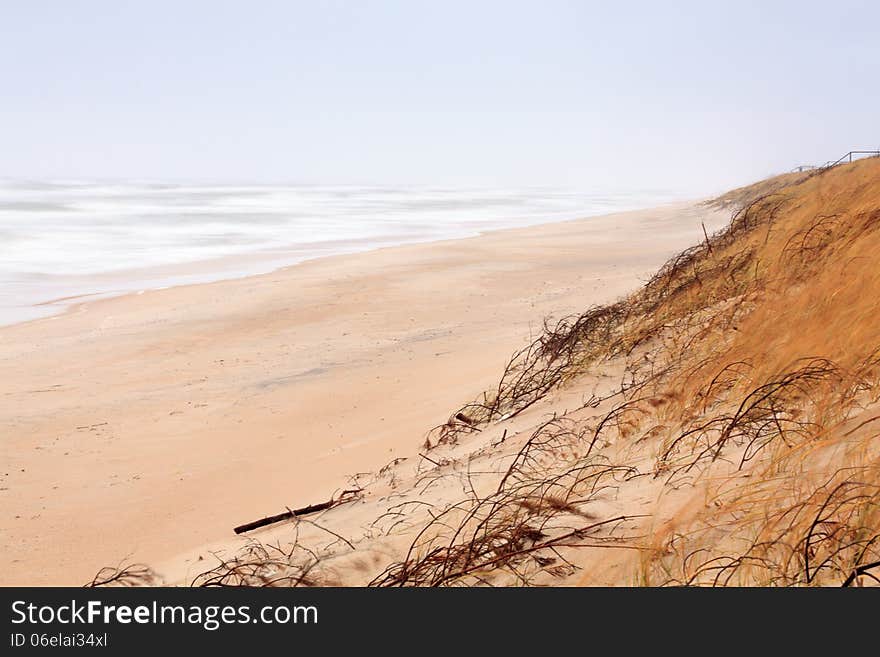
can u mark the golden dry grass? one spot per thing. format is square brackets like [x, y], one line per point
[776, 346]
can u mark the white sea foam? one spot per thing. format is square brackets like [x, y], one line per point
[78, 238]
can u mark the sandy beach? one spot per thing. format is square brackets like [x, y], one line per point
[140, 427]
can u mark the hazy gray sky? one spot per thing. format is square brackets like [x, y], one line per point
[690, 95]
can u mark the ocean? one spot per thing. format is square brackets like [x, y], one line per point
[69, 241]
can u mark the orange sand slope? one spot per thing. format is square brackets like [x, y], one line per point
[720, 426]
[137, 428]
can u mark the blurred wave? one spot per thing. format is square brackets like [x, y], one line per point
[61, 239]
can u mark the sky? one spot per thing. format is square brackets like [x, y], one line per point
[691, 96]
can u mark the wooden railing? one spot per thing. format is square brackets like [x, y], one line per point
[847, 157]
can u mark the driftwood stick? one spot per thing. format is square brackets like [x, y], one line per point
[347, 496]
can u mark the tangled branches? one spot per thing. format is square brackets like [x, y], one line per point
[827, 536]
[131, 575]
[562, 350]
[260, 564]
[523, 526]
[772, 411]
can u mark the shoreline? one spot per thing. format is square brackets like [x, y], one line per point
[143, 426]
[240, 266]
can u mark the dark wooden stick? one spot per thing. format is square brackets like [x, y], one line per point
[346, 496]
[430, 460]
